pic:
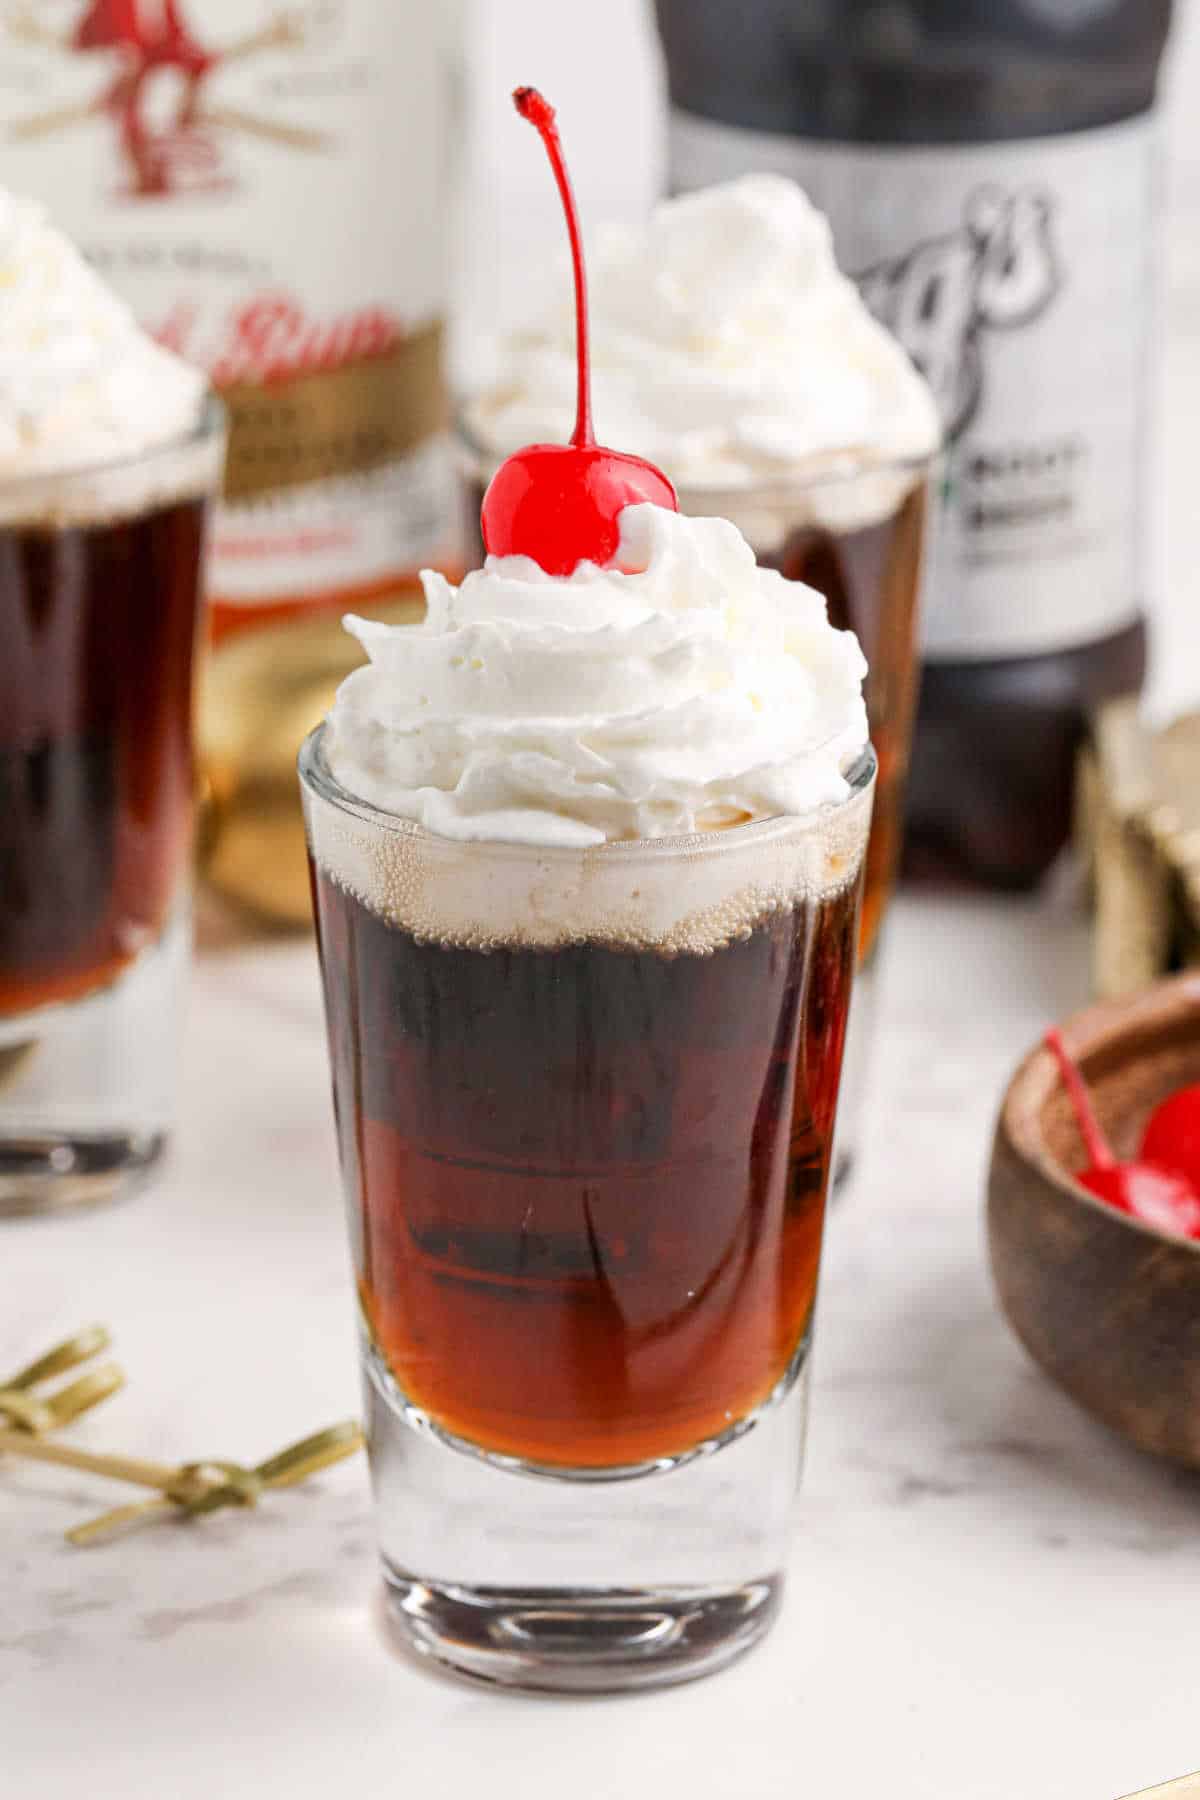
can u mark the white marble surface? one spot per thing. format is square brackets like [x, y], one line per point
[990, 1598]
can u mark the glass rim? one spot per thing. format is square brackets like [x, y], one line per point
[774, 488]
[316, 776]
[209, 426]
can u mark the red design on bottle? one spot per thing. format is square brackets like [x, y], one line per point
[152, 38]
[162, 155]
[272, 339]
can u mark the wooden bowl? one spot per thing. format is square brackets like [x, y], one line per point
[1109, 1307]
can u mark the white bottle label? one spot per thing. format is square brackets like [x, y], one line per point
[1019, 278]
[262, 180]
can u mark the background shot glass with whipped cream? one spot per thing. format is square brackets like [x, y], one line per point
[110, 450]
[729, 350]
[587, 855]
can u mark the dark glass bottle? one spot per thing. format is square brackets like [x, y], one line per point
[988, 167]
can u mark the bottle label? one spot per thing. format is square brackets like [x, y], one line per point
[262, 180]
[1018, 276]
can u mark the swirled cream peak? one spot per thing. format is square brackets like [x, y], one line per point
[80, 382]
[682, 688]
[726, 347]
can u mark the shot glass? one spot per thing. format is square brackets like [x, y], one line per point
[100, 591]
[585, 1105]
[857, 533]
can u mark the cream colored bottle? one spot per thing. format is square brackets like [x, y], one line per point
[267, 182]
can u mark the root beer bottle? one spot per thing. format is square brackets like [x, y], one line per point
[988, 167]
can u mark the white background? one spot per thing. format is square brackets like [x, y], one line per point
[597, 60]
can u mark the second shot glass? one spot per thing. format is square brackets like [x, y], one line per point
[101, 588]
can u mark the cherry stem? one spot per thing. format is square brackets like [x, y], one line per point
[532, 106]
[1100, 1155]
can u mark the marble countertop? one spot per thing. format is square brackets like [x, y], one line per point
[989, 1596]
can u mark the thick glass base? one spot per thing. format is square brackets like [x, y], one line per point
[581, 1641]
[45, 1172]
[584, 1580]
[87, 1088]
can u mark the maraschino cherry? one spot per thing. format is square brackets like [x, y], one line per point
[558, 503]
[1173, 1135]
[1155, 1195]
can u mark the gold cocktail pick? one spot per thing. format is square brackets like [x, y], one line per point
[193, 1487]
[203, 1487]
[33, 1414]
[27, 1418]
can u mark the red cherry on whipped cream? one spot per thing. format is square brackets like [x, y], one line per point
[559, 503]
[1145, 1190]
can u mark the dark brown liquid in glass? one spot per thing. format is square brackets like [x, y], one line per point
[871, 582]
[587, 1184]
[98, 626]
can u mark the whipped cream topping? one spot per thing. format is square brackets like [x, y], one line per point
[680, 689]
[726, 347]
[80, 382]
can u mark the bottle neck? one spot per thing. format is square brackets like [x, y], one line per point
[979, 72]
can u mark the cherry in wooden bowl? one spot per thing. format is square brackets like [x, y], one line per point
[1109, 1306]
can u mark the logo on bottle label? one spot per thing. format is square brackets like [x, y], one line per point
[231, 168]
[1018, 276]
[155, 73]
[997, 272]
